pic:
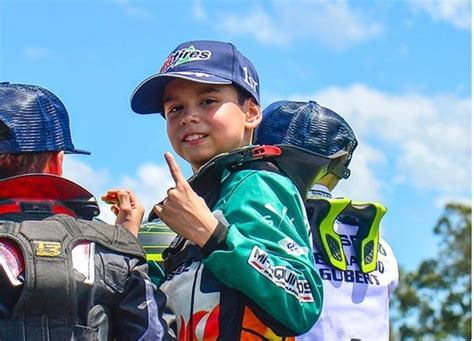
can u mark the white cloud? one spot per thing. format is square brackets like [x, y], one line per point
[256, 23]
[80, 172]
[292, 20]
[430, 136]
[37, 53]
[454, 12]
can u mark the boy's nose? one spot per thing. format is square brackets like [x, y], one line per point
[190, 115]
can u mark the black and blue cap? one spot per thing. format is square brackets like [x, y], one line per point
[202, 61]
[306, 125]
[33, 120]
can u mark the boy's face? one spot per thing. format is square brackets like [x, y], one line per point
[204, 120]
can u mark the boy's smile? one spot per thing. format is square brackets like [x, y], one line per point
[204, 120]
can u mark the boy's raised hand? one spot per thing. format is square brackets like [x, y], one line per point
[126, 207]
[184, 211]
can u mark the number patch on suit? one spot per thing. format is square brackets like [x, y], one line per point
[47, 249]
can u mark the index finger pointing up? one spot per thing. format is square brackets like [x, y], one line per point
[174, 169]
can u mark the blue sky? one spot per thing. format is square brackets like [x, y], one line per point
[398, 71]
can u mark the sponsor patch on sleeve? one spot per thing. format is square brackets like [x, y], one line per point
[281, 276]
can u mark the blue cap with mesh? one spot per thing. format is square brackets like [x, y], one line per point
[203, 61]
[35, 121]
[306, 125]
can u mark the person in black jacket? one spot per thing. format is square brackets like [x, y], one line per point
[64, 275]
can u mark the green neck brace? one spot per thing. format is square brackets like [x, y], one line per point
[323, 212]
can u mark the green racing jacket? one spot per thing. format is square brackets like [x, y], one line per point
[254, 278]
[258, 279]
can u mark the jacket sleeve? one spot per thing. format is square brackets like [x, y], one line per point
[141, 314]
[266, 253]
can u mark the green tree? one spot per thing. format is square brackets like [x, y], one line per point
[434, 301]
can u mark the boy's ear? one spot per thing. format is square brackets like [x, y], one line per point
[55, 164]
[253, 115]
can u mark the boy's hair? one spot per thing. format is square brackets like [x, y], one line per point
[306, 125]
[242, 95]
[202, 61]
[20, 163]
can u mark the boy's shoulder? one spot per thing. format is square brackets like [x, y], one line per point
[260, 182]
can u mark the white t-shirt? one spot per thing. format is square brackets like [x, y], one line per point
[356, 304]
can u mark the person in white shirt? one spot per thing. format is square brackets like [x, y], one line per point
[358, 268]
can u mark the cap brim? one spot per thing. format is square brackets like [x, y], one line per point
[147, 97]
[77, 151]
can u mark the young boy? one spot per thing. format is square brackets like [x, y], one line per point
[357, 281]
[243, 270]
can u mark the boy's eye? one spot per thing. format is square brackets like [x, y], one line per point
[173, 109]
[208, 101]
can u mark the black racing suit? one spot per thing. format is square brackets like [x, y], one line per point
[75, 279]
